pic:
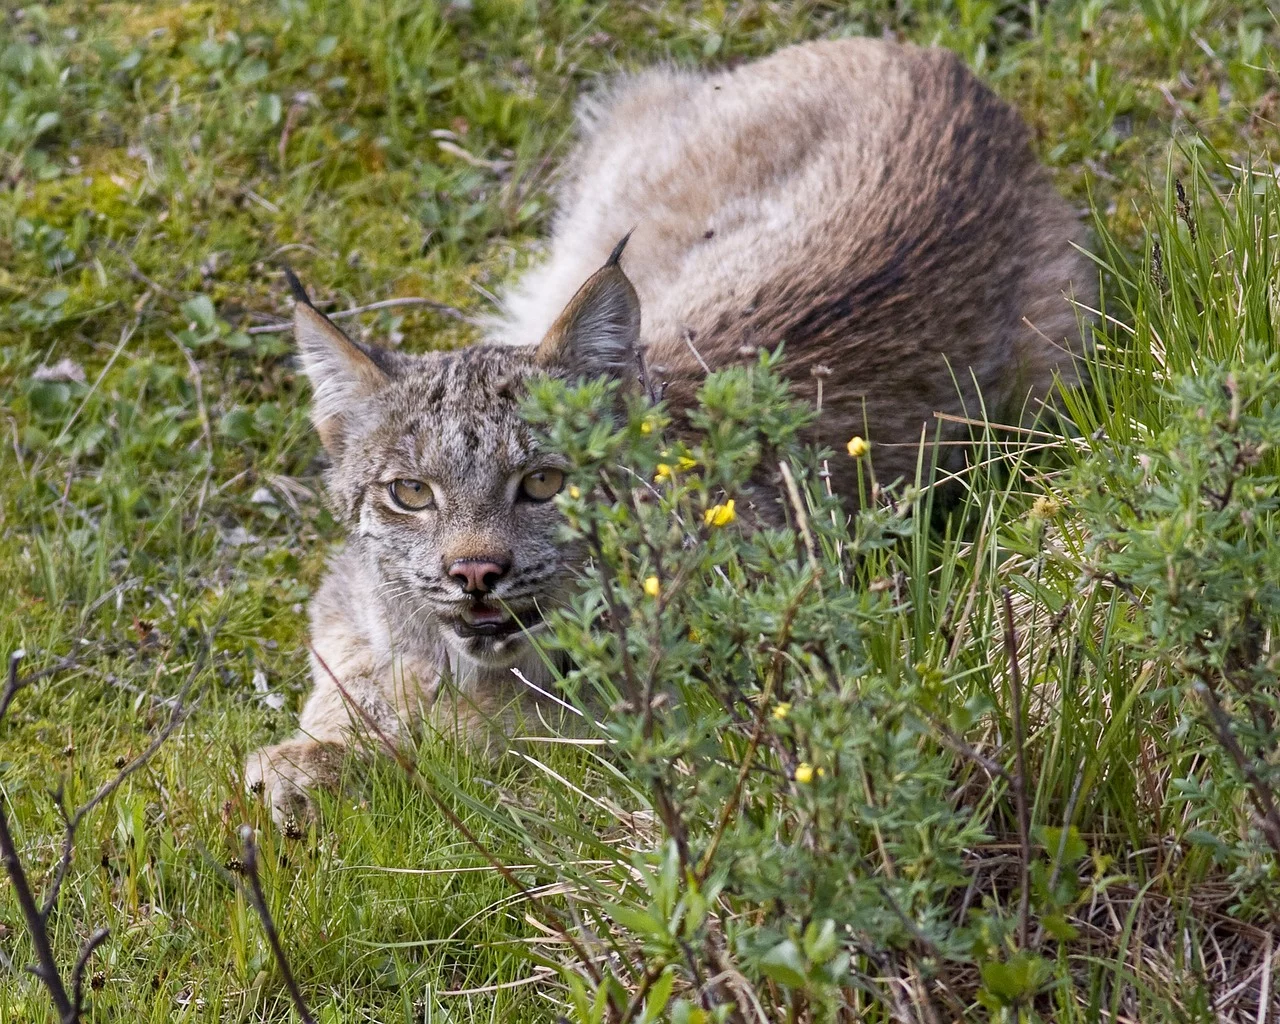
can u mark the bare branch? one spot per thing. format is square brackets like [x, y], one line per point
[439, 307]
[46, 968]
[259, 901]
[70, 1006]
[82, 962]
[13, 683]
[73, 821]
[1260, 793]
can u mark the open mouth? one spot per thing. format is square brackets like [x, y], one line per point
[484, 620]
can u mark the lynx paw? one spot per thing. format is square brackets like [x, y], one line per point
[285, 776]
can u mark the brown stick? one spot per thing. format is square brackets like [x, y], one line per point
[439, 307]
[1259, 792]
[69, 1006]
[259, 901]
[47, 967]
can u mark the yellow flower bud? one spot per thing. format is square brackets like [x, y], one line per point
[663, 474]
[804, 772]
[858, 447]
[782, 710]
[1045, 507]
[646, 427]
[720, 515]
[651, 586]
[574, 493]
[685, 463]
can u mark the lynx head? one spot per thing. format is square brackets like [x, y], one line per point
[440, 483]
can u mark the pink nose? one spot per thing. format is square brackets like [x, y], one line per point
[479, 575]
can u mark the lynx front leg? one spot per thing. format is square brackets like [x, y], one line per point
[367, 712]
[286, 774]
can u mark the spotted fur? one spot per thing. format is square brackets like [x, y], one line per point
[380, 622]
[871, 206]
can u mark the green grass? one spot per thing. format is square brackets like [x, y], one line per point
[156, 161]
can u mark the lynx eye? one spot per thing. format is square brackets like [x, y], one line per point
[541, 484]
[411, 495]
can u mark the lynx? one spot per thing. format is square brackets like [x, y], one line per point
[872, 206]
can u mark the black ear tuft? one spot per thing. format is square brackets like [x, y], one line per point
[300, 293]
[616, 255]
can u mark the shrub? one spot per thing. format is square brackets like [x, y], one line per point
[856, 759]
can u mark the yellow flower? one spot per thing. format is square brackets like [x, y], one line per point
[720, 515]
[574, 493]
[666, 471]
[858, 447]
[646, 427]
[651, 586]
[1045, 507]
[782, 710]
[804, 772]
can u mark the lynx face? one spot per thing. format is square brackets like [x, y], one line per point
[441, 485]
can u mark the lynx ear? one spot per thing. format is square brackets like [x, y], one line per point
[342, 373]
[598, 333]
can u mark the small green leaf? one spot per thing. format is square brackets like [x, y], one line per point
[1059, 927]
[48, 398]
[237, 424]
[1073, 849]
[252, 71]
[820, 941]
[269, 109]
[641, 922]
[784, 964]
[200, 312]
[1015, 980]
[659, 996]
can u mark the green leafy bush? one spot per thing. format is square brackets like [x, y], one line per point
[853, 799]
[756, 695]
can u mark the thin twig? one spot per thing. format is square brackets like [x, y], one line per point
[439, 307]
[72, 821]
[954, 741]
[259, 901]
[1259, 791]
[82, 962]
[731, 806]
[47, 967]
[1020, 771]
[12, 683]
